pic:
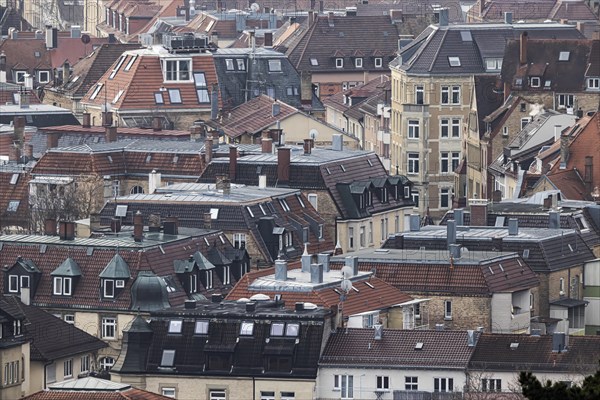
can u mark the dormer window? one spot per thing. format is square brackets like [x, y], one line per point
[208, 280]
[17, 327]
[113, 277]
[493, 64]
[247, 328]
[358, 62]
[535, 82]
[593, 84]
[339, 63]
[177, 70]
[62, 286]
[168, 358]
[378, 62]
[201, 327]
[109, 288]
[274, 65]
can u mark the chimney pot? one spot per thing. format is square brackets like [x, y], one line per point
[110, 134]
[208, 146]
[86, 123]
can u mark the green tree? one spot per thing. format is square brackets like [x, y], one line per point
[533, 389]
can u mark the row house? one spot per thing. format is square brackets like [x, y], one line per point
[267, 222]
[350, 189]
[269, 122]
[432, 88]
[226, 350]
[39, 349]
[557, 256]
[99, 284]
[358, 298]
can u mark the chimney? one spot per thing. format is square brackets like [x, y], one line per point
[307, 147]
[306, 259]
[352, 262]
[157, 123]
[268, 39]
[337, 142]
[50, 227]
[280, 270]
[451, 232]
[66, 230]
[508, 17]
[215, 38]
[267, 145]
[523, 48]
[19, 129]
[208, 142]
[207, 218]
[316, 273]
[283, 165]
[559, 342]
[87, 120]
[588, 177]
[154, 181]
[378, 331]
[323, 258]
[189, 304]
[216, 297]
[481, 5]
[28, 85]
[513, 226]
[115, 225]
[564, 151]
[214, 102]
[330, 21]
[107, 118]
[415, 222]
[2, 67]
[554, 220]
[51, 37]
[197, 131]
[252, 40]
[454, 250]
[250, 307]
[459, 216]
[262, 181]
[232, 162]
[444, 16]
[478, 212]
[171, 226]
[138, 226]
[110, 134]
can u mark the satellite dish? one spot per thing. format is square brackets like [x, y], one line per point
[313, 133]
[346, 285]
[85, 38]
[254, 7]
[346, 272]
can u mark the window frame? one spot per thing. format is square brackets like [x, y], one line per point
[84, 363]
[448, 384]
[174, 76]
[593, 83]
[383, 382]
[411, 383]
[448, 310]
[339, 62]
[413, 128]
[105, 286]
[413, 163]
[274, 65]
[378, 61]
[108, 325]
[68, 368]
[358, 62]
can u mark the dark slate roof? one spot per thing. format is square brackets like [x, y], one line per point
[149, 292]
[429, 52]
[488, 98]
[67, 340]
[397, 349]
[543, 61]
[344, 36]
[534, 353]
[69, 267]
[117, 268]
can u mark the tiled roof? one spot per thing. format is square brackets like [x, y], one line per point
[427, 271]
[534, 353]
[93, 255]
[397, 348]
[567, 76]
[371, 88]
[254, 115]
[129, 394]
[24, 51]
[346, 34]
[570, 183]
[373, 293]
[488, 99]
[12, 192]
[472, 44]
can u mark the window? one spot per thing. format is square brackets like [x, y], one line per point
[288, 396]
[20, 76]
[277, 328]
[413, 129]
[535, 82]
[117, 96]
[116, 69]
[209, 280]
[383, 383]
[217, 394]
[239, 240]
[384, 228]
[13, 205]
[593, 83]
[565, 100]
[109, 288]
[175, 326]
[62, 286]
[284, 205]
[247, 328]
[168, 392]
[68, 368]
[13, 283]
[344, 384]
[505, 131]
[419, 94]
[177, 70]
[229, 66]
[241, 64]
[274, 65]
[43, 76]
[85, 363]
[358, 62]
[158, 98]
[168, 358]
[350, 237]
[491, 385]
[119, 283]
[106, 363]
[525, 121]
[267, 395]
[493, 64]
[531, 301]
[450, 94]
[411, 383]
[130, 63]
[448, 309]
[137, 190]
[443, 384]
[201, 327]
[312, 199]
[564, 56]
[361, 236]
[454, 61]
[450, 127]
[449, 161]
[445, 198]
[201, 87]
[413, 163]
[378, 62]
[339, 63]
[109, 328]
[17, 327]
[561, 285]
[69, 318]
[174, 96]
[292, 330]
[116, 185]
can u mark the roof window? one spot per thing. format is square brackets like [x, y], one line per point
[564, 56]
[454, 61]
[175, 326]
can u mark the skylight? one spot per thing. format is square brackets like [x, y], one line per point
[201, 327]
[118, 96]
[314, 62]
[466, 36]
[96, 91]
[168, 358]
[454, 61]
[175, 326]
[214, 213]
[564, 56]
[174, 96]
[130, 63]
[419, 346]
[114, 71]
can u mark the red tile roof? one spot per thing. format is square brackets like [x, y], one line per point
[19, 191]
[130, 394]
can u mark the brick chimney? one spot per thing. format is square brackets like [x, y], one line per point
[50, 227]
[479, 209]
[110, 134]
[267, 145]
[208, 144]
[207, 217]
[138, 226]
[52, 139]
[523, 48]
[283, 165]
[66, 230]
[87, 120]
[233, 154]
[107, 119]
[307, 147]
[157, 123]
[268, 42]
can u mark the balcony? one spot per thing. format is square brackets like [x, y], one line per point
[415, 108]
[418, 395]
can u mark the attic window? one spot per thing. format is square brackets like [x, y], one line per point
[328, 171]
[201, 327]
[114, 71]
[14, 178]
[175, 159]
[547, 84]
[300, 201]
[109, 158]
[378, 62]
[175, 326]
[514, 346]
[177, 70]
[535, 82]
[274, 65]
[526, 253]
[370, 163]
[118, 96]
[168, 358]
[229, 66]
[284, 205]
[241, 64]
[201, 88]
[501, 267]
[292, 329]
[343, 168]
[564, 56]
[214, 213]
[13, 205]
[466, 36]
[262, 209]
[130, 63]
[250, 211]
[314, 62]
[158, 98]
[96, 91]
[121, 210]
[37, 54]
[491, 270]
[571, 247]
[277, 328]
[339, 63]
[419, 346]
[369, 285]
[174, 96]
[247, 328]
[358, 62]
[454, 61]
